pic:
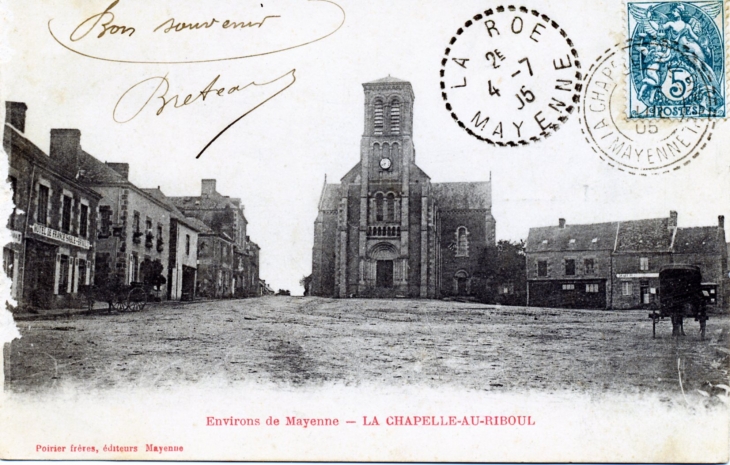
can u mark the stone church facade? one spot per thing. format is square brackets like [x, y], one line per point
[386, 230]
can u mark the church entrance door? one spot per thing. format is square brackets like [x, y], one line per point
[384, 274]
[461, 286]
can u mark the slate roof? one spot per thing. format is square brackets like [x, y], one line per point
[462, 195]
[597, 236]
[39, 157]
[199, 225]
[175, 213]
[330, 197]
[653, 235]
[98, 172]
[206, 202]
[386, 80]
[639, 236]
[705, 240]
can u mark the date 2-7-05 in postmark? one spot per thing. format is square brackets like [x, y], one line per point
[510, 76]
[676, 59]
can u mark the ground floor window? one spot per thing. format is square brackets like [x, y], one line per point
[63, 277]
[592, 288]
[568, 287]
[82, 272]
[627, 288]
[133, 268]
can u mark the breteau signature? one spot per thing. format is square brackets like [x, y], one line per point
[209, 91]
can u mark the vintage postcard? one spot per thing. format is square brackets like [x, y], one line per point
[222, 244]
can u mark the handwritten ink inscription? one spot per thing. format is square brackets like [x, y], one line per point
[136, 103]
[124, 35]
[105, 22]
[121, 34]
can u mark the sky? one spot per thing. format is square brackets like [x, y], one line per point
[276, 157]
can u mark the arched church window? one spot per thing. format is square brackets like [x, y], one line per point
[395, 116]
[462, 242]
[390, 207]
[379, 207]
[377, 151]
[378, 117]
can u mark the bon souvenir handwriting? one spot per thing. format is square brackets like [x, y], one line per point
[122, 35]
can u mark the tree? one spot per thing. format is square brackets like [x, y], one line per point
[151, 272]
[306, 283]
[503, 268]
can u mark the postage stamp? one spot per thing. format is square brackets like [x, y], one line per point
[510, 76]
[676, 59]
[641, 147]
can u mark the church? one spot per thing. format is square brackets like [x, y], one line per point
[386, 230]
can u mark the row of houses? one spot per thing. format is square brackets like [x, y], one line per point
[79, 221]
[616, 265]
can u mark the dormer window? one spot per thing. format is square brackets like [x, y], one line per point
[378, 118]
[544, 241]
[595, 239]
[572, 241]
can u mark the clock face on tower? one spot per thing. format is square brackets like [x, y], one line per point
[385, 163]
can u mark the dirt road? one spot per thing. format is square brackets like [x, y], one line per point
[301, 341]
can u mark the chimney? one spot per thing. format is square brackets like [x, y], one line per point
[121, 168]
[561, 223]
[15, 114]
[721, 222]
[65, 148]
[208, 187]
[672, 219]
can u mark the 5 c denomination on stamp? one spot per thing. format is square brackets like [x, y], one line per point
[510, 75]
[640, 147]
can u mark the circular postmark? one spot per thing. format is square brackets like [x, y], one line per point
[510, 76]
[639, 147]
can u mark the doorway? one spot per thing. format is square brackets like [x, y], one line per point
[384, 274]
[461, 283]
[645, 295]
[461, 286]
[188, 283]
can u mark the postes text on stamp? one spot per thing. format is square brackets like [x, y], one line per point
[636, 146]
[676, 59]
[510, 76]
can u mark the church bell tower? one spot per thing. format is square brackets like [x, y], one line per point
[386, 156]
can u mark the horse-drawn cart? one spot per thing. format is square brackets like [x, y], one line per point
[119, 297]
[682, 295]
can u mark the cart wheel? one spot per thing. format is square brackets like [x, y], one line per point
[137, 299]
[115, 305]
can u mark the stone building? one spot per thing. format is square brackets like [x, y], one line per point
[54, 220]
[183, 254]
[569, 266]
[386, 230]
[134, 226]
[616, 265]
[229, 260]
